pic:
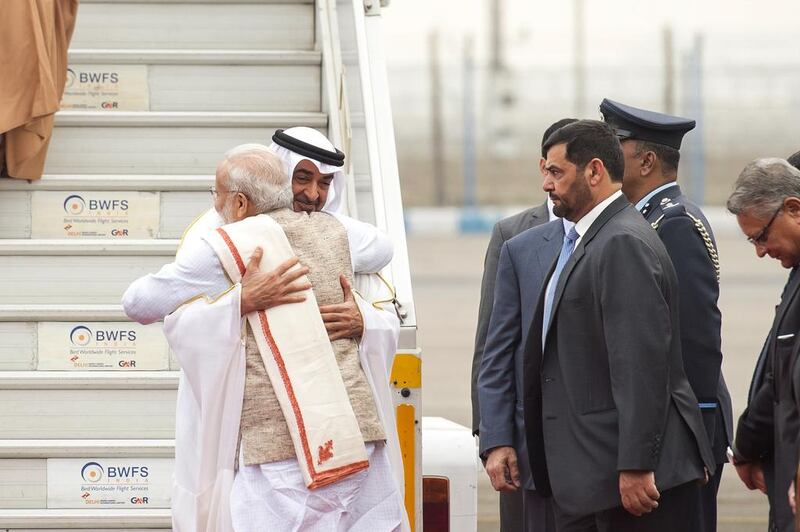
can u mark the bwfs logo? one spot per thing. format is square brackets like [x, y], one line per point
[92, 472]
[76, 204]
[82, 335]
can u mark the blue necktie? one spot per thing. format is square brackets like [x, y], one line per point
[566, 251]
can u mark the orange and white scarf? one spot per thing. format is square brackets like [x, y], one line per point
[299, 360]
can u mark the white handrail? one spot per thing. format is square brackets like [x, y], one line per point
[379, 128]
[334, 98]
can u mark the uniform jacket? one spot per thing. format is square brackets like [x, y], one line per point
[608, 391]
[502, 231]
[524, 262]
[700, 318]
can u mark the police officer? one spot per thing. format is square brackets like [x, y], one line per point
[651, 142]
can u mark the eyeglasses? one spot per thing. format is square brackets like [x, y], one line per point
[215, 192]
[763, 235]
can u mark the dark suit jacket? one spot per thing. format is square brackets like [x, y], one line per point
[502, 231]
[524, 262]
[701, 320]
[768, 428]
[608, 392]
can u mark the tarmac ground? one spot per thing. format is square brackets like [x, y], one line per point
[446, 273]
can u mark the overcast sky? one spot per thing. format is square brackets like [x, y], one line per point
[616, 31]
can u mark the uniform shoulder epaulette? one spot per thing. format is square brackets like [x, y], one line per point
[675, 210]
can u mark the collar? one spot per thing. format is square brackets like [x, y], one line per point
[550, 214]
[642, 203]
[583, 225]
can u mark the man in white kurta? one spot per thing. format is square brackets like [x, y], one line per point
[367, 501]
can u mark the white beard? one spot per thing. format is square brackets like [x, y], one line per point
[227, 217]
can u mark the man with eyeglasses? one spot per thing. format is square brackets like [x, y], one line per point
[278, 426]
[766, 202]
[651, 144]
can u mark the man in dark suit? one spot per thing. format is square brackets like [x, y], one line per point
[607, 403]
[651, 142]
[766, 202]
[511, 510]
[523, 265]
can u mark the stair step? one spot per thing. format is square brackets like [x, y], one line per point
[195, 119]
[195, 57]
[107, 183]
[73, 248]
[88, 405]
[34, 313]
[31, 449]
[197, 80]
[165, 143]
[83, 380]
[94, 519]
[180, 200]
[78, 272]
[157, 206]
[65, 340]
[214, 25]
[55, 474]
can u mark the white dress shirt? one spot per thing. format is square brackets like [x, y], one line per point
[197, 271]
[583, 225]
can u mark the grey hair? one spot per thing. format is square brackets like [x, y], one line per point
[762, 187]
[258, 173]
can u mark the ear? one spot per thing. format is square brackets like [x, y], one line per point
[791, 206]
[594, 172]
[648, 163]
[242, 204]
[542, 163]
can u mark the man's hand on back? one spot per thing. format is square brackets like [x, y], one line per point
[638, 491]
[263, 290]
[343, 320]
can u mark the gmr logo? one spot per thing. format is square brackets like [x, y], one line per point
[139, 500]
[74, 204]
[92, 472]
[80, 335]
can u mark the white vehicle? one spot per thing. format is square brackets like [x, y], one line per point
[157, 91]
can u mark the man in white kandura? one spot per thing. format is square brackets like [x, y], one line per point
[309, 419]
